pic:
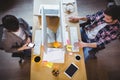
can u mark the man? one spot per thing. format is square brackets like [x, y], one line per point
[101, 29]
[16, 35]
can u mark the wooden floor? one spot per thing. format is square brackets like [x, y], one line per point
[105, 67]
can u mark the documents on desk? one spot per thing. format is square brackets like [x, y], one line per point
[37, 41]
[55, 55]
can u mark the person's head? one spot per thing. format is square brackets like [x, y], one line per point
[10, 22]
[112, 14]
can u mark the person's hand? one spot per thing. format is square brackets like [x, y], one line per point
[24, 47]
[74, 19]
[80, 44]
[28, 40]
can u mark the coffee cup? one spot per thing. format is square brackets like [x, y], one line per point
[37, 59]
[77, 57]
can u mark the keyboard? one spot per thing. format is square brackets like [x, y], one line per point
[37, 41]
[50, 12]
[117, 2]
[74, 38]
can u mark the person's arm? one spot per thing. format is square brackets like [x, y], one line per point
[90, 17]
[24, 47]
[92, 45]
[76, 19]
[83, 19]
[7, 46]
[83, 44]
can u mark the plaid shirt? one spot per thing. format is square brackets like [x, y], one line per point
[106, 34]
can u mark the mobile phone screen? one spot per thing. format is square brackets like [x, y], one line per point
[31, 45]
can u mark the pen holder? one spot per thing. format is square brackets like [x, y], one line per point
[55, 72]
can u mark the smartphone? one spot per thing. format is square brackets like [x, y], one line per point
[31, 45]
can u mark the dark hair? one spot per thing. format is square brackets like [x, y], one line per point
[113, 11]
[10, 22]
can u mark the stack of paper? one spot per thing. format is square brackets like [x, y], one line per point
[54, 55]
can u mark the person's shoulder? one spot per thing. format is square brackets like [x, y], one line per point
[21, 20]
[100, 12]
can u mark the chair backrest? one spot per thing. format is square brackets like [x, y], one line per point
[25, 25]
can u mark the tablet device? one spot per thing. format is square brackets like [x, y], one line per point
[70, 71]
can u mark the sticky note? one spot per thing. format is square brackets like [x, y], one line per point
[49, 64]
[69, 47]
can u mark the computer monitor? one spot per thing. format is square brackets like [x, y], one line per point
[44, 30]
[60, 32]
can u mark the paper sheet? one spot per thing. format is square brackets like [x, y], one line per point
[54, 55]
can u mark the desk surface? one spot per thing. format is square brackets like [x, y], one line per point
[38, 69]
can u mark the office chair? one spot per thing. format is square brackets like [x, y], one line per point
[22, 55]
